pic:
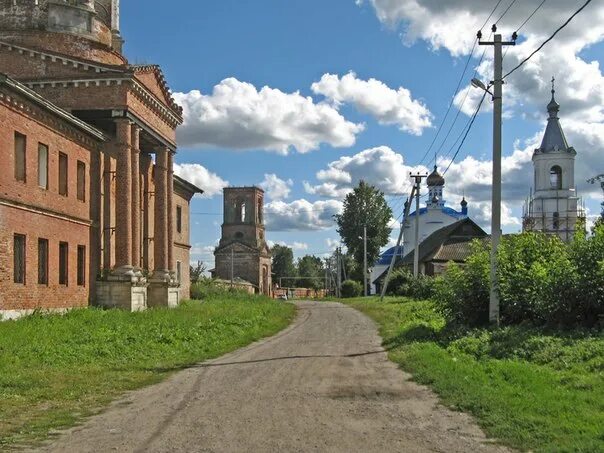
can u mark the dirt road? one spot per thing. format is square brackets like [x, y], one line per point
[323, 384]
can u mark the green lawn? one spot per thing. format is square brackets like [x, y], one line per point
[55, 370]
[531, 389]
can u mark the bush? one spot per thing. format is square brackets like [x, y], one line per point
[403, 283]
[542, 280]
[462, 293]
[351, 288]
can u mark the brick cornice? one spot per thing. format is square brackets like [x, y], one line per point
[38, 114]
[44, 211]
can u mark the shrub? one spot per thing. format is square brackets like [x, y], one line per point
[351, 288]
[542, 280]
[462, 293]
[403, 283]
[587, 255]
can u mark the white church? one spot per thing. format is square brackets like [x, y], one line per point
[554, 207]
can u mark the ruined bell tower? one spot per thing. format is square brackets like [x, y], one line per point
[242, 252]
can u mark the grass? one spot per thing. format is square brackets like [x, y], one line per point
[56, 370]
[530, 388]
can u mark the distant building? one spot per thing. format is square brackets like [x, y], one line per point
[554, 206]
[243, 252]
[433, 217]
[450, 244]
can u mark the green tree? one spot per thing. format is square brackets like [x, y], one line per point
[196, 272]
[310, 271]
[283, 265]
[365, 206]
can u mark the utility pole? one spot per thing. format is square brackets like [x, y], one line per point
[338, 274]
[365, 278]
[232, 266]
[418, 181]
[497, 83]
[398, 243]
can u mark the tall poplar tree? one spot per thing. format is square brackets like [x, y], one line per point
[365, 206]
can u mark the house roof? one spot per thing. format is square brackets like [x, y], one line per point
[450, 243]
[187, 185]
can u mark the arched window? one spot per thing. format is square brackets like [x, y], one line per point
[240, 211]
[555, 177]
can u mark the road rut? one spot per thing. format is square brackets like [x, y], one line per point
[323, 384]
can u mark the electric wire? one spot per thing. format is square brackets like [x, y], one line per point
[467, 132]
[505, 12]
[530, 17]
[548, 39]
[458, 87]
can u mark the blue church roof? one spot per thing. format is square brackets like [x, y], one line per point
[446, 210]
[386, 257]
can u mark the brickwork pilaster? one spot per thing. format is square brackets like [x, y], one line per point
[160, 235]
[136, 197]
[123, 214]
[171, 214]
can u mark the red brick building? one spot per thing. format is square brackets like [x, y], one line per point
[90, 210]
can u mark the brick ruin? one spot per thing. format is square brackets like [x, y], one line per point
[242, 252]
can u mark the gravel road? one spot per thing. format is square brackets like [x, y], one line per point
[323, 384]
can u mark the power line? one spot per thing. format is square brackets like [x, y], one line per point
[529, 18]
[461, 78]
[548, 39]
[506, 11]
[467, 132]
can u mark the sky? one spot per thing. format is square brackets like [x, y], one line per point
[307, 97]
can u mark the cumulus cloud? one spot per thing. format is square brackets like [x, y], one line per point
[374, 97]
[237, 115]
[300, 246]
[579, 81]
[380, 166]
[196, 174]
[301, 215]
[275, 187]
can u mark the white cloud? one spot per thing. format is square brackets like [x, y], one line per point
[388, 106]
[196, 174]
[275, 187]
[579, 81]
[381, 167]
[237, 115]
[294, 246]
[301, 215]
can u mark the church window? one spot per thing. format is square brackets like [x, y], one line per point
[20, 141]
[239, 235]
[81, 265]
[63, 263]
[556, 222]
[43, 166]
[178, 219]
[62, 174]
[42, 261]
[81, 180]
[19, 259]
[555, 177]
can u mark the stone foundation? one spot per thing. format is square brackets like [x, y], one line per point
[163, 294]
[121, 294]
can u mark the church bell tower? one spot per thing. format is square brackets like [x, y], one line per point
[242, 252]
[553, 207]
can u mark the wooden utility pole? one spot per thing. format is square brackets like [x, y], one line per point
[365, 277]
[398, 243]
[418, 182]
